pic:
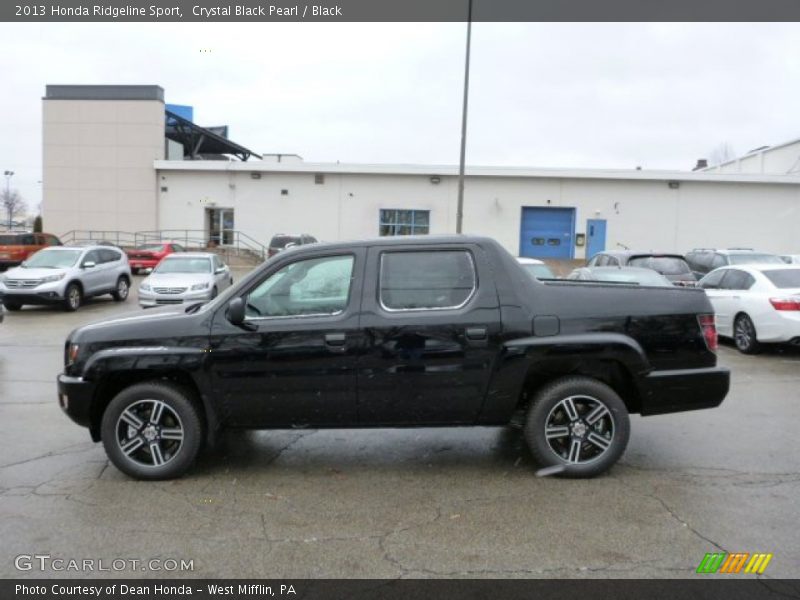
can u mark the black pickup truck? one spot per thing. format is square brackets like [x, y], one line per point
[403, 332]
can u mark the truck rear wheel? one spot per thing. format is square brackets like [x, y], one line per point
[578, 426]
[152, 430]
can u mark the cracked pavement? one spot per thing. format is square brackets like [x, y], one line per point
[454, 502]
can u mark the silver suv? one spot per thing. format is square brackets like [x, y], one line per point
[67, 275]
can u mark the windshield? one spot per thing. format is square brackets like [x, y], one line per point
[151, 247]
[539, 271]
[667, 265]
[784, 278]
[53, 259]
[184, 265]
[753, 258]
[640, 277]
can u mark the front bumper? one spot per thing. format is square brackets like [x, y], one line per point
[29, 297]
[686, 389]
[75, 398]
[150, 299]
[51, 292]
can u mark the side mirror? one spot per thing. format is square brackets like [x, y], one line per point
[220, 270]
[235, 314]
[88, 265]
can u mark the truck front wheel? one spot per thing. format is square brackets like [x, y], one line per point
[578, 426]
[152, 430]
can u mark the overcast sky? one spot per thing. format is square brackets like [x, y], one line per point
[552, 95]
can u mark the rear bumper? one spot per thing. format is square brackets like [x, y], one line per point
[75, 398]
[681, 390]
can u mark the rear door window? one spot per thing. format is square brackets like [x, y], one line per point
[737, 280]
[435, 279]
[109, 256]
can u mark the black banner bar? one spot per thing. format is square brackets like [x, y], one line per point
[399, 10]
[403, 589]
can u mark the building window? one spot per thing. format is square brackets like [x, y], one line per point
[319, 178]
[404, 222]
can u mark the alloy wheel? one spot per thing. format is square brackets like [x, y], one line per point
[149, 433]
[122, 288]
[579, 429]
[744, 333]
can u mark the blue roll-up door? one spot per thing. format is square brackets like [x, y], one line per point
[547, 232]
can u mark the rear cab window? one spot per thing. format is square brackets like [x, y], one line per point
[426, 279]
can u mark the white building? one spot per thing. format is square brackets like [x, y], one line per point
[124, 183]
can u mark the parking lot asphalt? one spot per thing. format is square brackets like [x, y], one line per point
[454, 502]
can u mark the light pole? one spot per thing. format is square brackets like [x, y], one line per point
[460, 206]
[8, 175]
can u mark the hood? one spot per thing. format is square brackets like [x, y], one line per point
[24, 273]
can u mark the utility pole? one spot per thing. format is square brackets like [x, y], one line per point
[460, 207]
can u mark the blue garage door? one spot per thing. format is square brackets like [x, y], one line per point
[547, 232]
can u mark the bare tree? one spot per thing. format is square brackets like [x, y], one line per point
[723, 152]
[13, 205]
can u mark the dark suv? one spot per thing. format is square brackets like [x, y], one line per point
[671, 266]
[705, 260]
[282, 241]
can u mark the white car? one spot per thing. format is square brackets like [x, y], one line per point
[755, 304]
[536, 268]
[184, 277]
[791, 259]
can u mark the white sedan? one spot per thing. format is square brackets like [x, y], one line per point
[184, 277]
[755, 304]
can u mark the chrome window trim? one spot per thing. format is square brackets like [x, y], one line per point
[417, 309]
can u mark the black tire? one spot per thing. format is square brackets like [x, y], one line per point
[213, 293]
[12, 306]
[745, 336]
[597, 445]
[73, 297]
[120, 294]
[140, 460]
[135, 271]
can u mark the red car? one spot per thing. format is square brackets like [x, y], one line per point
[149, 255]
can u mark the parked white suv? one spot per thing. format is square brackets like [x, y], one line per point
[67, 275]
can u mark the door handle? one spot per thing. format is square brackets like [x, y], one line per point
[335, 339]
[476, 333]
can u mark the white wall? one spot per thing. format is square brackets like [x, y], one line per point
[644, 214]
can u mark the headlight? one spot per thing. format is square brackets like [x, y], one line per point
[72, 353]
[200, 286]
[145, 287]
[51, 278]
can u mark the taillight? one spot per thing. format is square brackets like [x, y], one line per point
[709, 331]
[785, 303]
